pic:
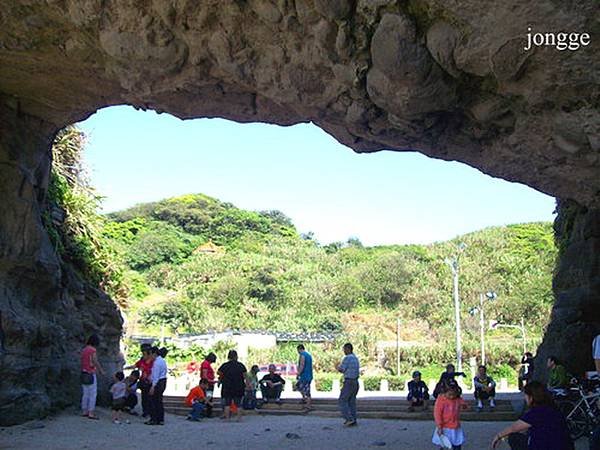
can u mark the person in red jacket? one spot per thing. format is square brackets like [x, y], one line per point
[197, 400]
[144, 365]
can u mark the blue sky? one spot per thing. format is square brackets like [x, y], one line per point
[381, 198]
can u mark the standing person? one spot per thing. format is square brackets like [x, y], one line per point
[249, 401]
[446, 413]
[305, 376]
[89, 380]
[448, 375]
[485, 388]
[207, 373]
[350, 367]
[158, 386]
[596, 353]
[545, 425]
[418, 392]
[271, 386]
[119, 393]
[526, 370]
[232, 375]
[144, 365]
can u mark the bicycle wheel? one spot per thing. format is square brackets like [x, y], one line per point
[577, 420]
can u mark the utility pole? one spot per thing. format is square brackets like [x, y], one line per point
[453, 263]
[457, 315]
[523, 334]
[398, 346]
[482, 329]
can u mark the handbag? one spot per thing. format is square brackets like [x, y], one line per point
[87, 378]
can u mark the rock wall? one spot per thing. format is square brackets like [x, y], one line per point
[46, 311]
[448, 78]
[576, 313]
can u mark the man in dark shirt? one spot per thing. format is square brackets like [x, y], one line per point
[271, 386]
[418, 392]
[232, 376]
[446, 376]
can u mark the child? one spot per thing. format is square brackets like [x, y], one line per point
[447, 415]
[131, 399]
[119, 392]
[198, 401]
[418, 392]
[249, 401]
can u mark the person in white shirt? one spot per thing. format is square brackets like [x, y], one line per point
[159, 384]
[118, 391]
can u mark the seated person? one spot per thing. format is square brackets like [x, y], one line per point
[418, 392]
[131, 399]
[448, 375]
[271, 385]
[558, 378]
[485, 388]
[198, 401]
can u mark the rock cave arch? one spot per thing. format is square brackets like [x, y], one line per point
[449, 79]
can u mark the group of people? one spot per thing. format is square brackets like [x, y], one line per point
[239, 386]
[149, 376]
[541, 427]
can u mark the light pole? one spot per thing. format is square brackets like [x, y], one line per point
[453, 263]
[489, 295]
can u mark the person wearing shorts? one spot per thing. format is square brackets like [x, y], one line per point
[305, 376]
[232, 376]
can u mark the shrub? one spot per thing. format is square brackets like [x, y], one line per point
[324, 381]
[373, 383]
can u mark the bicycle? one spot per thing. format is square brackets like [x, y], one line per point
[582, 412]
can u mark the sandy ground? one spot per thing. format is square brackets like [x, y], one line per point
[69, 431]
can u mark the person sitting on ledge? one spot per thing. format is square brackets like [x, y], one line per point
[198, 401]
[558, 378]
[271, 386]
[418, 392]
[485, 388]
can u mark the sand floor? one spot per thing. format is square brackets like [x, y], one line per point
[69, 431]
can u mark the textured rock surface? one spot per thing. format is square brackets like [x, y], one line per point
[46, 312]
[576, 313]
[447, 78]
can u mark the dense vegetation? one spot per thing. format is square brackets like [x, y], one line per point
[261, 274]
[73, 223]
[193, 263]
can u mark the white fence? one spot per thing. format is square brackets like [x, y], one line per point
[181, 385]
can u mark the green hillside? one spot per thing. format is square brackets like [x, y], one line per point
[194, 264]
[259, 273]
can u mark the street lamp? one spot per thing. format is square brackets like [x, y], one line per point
[453, 263]
[489, 295]
[495, 324]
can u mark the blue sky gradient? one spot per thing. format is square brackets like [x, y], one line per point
[323, 186]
